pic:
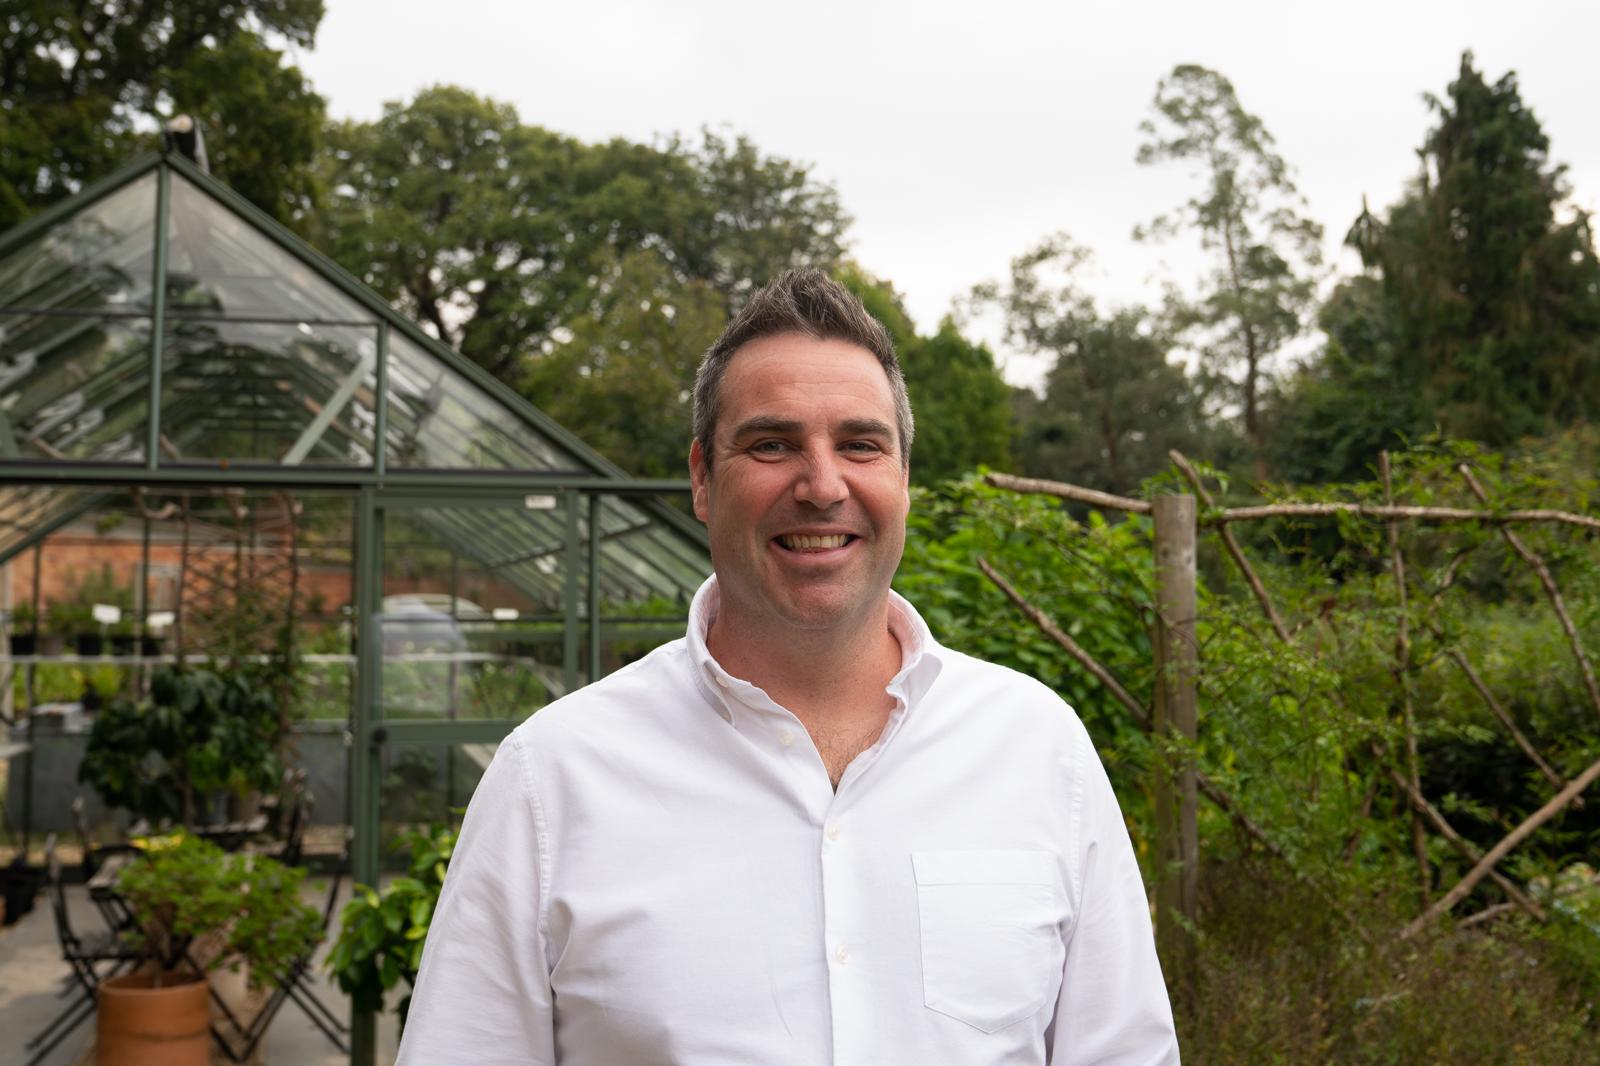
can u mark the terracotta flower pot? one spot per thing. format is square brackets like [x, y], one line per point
[141, 1025]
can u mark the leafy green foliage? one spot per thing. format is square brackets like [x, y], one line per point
[1305, 735]
[195, 735]
[501, 236]
[185, 887]
[1094, 578]
[80, 82]
[623, 368]
[381, 934]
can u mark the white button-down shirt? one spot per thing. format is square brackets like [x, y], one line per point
[656, 870]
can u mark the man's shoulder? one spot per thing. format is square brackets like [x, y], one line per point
[971, 672]
[978, 686]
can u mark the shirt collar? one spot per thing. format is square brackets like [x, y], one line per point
[921, 657]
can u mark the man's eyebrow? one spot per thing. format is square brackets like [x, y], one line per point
[765, 424]
[852, 427]
[867, 427]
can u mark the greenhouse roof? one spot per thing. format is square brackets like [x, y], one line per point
[276, 367]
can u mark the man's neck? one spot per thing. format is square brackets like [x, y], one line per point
[828, 679]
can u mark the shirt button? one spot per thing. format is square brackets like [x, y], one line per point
[832, 833]
[721, 680]
[785, 737]
[841, 954]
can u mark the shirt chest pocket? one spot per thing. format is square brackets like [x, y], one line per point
[991, 933]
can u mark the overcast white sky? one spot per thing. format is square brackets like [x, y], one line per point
[957, 134]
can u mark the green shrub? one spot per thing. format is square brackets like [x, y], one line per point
[381, 934]
[185, 887]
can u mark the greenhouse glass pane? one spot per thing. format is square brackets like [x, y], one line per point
[266, 392]
[462, 638]
[100, 257]
[424, 785]
[74, 387]
[220, 264]
[440, 420]
[25, 508]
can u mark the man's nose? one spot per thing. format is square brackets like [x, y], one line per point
[821, 482]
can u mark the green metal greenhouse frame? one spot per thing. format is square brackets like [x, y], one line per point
[83, 417]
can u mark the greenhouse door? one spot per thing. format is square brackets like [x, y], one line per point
[475, 608]
[470, 612]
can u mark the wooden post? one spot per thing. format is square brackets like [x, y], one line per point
[1177, 665]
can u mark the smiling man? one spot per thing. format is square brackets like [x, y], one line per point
[806, 833]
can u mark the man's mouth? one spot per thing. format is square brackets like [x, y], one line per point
[799, 542]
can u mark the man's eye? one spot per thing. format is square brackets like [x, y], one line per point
[863, 447]
[769, 447]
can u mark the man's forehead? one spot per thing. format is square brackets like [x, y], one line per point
[790, 366]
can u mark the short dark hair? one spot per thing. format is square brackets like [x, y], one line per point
[804, 301]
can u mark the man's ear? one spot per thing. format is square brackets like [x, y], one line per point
[700, 478]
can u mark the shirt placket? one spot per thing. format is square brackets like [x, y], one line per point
[845, 939]
[841, 928]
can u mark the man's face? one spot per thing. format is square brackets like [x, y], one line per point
[806, 495]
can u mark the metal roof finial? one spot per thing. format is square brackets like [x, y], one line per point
[184, 136]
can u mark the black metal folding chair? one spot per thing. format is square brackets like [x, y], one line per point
[93, 958]
[94, 857]
[294, 983]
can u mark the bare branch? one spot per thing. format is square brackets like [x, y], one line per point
[1420, 803]
[1421, 514]
[1505, 718]
[1234, 551]
[1450, 572]
[1488, 914]
[1095, 497]
[1076, 493]
[1048, 626]
[1402, 656]
[1533, 559]
[1485, 866]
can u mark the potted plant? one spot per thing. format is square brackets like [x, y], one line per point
[381, 934]
[124, 638]
[73, 621]
[185, 891]
[197, 735]
[24, 629]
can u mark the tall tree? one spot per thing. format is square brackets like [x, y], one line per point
[1341, 408]
[1489, 278]
[78, 82]
[622, 371]
[494, 232]
[1113, 401]
[753, 216]
[1248, 216]
[961, 403]
[1478, 312]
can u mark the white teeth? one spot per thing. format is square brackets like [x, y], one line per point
[797, 542]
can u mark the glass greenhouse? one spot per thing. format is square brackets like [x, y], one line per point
[216, 442]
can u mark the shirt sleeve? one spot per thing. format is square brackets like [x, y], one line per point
[1113, 1004]
[483, 991]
